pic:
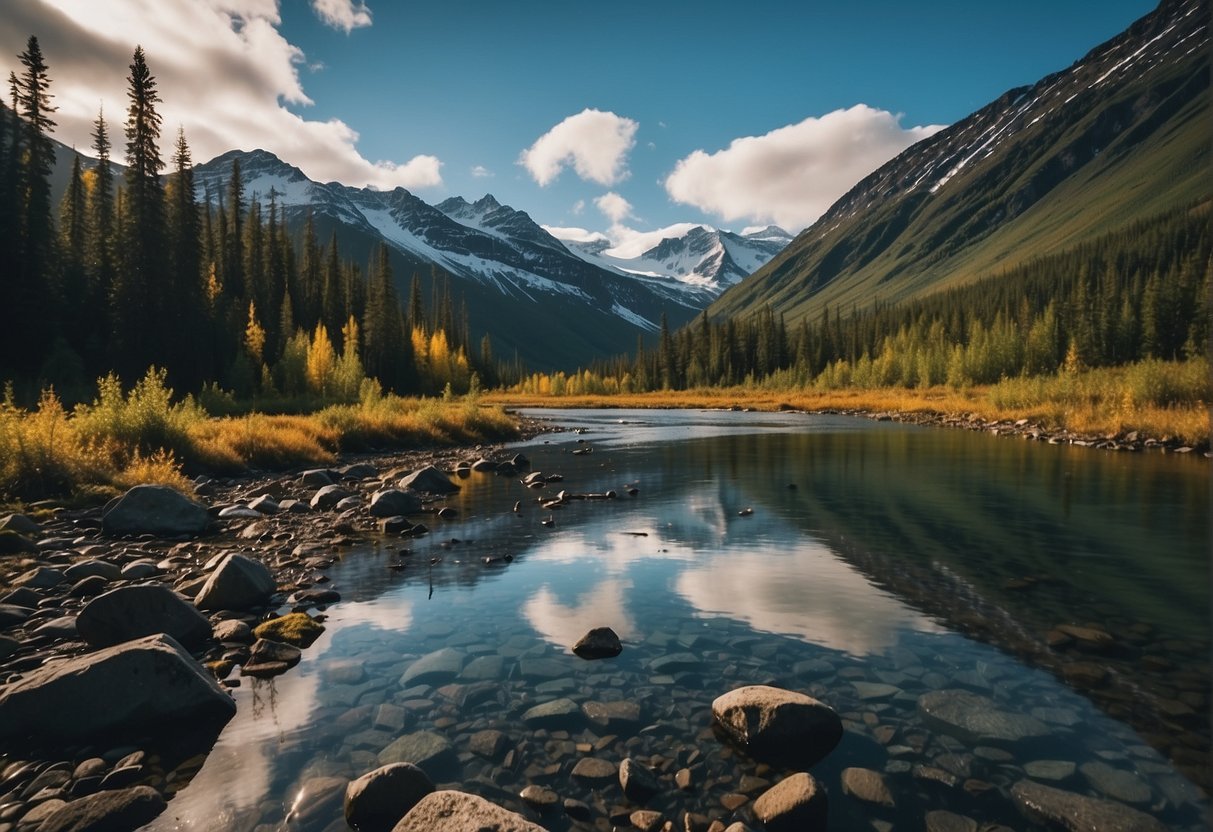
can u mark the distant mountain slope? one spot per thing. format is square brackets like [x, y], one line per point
[1121, 135]
[532, 295]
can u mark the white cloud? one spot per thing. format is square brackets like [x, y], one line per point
[793, 174]
[578, 207]
[614, 207]
[593, 142]
[630, 242]
[342, 14]
[575, 235]
[481, 172]
[194, 49]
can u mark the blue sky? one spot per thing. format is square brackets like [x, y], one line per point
[438, 90]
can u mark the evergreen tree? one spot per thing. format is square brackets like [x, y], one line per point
[73, 225]
[183, 319]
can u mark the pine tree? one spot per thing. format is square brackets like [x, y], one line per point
[137, 297]
[182, 318]
[233, 264]
[73, 225]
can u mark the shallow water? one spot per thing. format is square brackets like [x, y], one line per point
[879, 562]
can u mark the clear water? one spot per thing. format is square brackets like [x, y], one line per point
[874, 553]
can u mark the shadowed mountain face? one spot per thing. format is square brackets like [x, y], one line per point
[1119, 136]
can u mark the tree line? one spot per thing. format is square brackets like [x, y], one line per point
[1139, 293]
[133, 270]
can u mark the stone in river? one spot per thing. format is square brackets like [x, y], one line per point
[775, 725]
[540, 798]
[557, 715]
[434, 668]
[296, 628]
[452, 811]
[155, 509]
[941, 820]
[319, 798]
[489, 743]
[866, 785]
[148, 681]
[429, 480]
[645, 820]
[598, 643]
[483, 668]
[612, 715]
[130, 612]
[105, 810]
[542, 668]
[675, 663]
[392, 502]
[873, 691]
[430, 752]
[594, 770]
[1116, 783]
[1054, 770]
[638, 781]
[975, 719]
[795, 804]
[1088, 638]
[376, 801]
[1078, 813]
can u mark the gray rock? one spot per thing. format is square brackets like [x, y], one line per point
[20, 524]
[484, 668]
[434, 668]
[598, 643]
[12, 542]
[135, 611]
[144, 682]
[376, 801]
[794, 804]
[316, 477]
[594, 770]
[106, 810]
[1055, 770]
[1116, 783]
[975, 719]
[393, 502]
[265, 504]
[91, 569]
[612, 715]
[638, 781]
[138, 570]
[239, 512]
[269, 658]
[489, 743]
[776, 725]
[539, 669]
[675, 663]
[941, 820]
[155, 509]
[40, 577]
[328, 497]
[315, 804]
[237, 583]
[233, 630]
[557, 715]
[429, 480]
[1060, 809]
[452, 811]
[866, 785]
[430, 752]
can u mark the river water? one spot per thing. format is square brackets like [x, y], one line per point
[864, 563]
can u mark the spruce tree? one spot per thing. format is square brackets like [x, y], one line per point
[183, 319]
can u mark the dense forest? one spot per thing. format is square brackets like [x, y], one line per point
[1138, 294]
[131, 270]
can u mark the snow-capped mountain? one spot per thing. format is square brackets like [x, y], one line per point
[501, 262]
[702, 257]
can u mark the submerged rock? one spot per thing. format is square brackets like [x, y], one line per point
[977, 720]
[1077, 813]
[794, 804]
[598, 643]
[452, 811]
[772, 724]
[376, 801]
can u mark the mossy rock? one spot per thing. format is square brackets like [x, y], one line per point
[295, 628]
[12, 543]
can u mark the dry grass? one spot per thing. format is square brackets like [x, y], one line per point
[1159, 400]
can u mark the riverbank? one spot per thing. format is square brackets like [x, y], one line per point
[1098, 421]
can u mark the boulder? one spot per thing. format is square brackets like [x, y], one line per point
[975, 719]
[131, 612]
[794, 804]
[376, 801]
[598, 643]
[147, 681]
[328, 497]
[155, 509]
[453, 811]
[1060, 809]
[296, 628]
[392, 502]
[775, 725]
[110, 809]
[237, 583]
[429, 480]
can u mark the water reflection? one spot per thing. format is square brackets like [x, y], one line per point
[563, 624]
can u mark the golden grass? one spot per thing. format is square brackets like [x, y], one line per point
[1095, 402]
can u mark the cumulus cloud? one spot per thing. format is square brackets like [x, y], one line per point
[576, 235]
[194, 49]
[343, 14]
[793, 174]
[594, 143]
[481, 172]
[614, 207]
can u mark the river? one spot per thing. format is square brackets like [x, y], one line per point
[864, 563]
